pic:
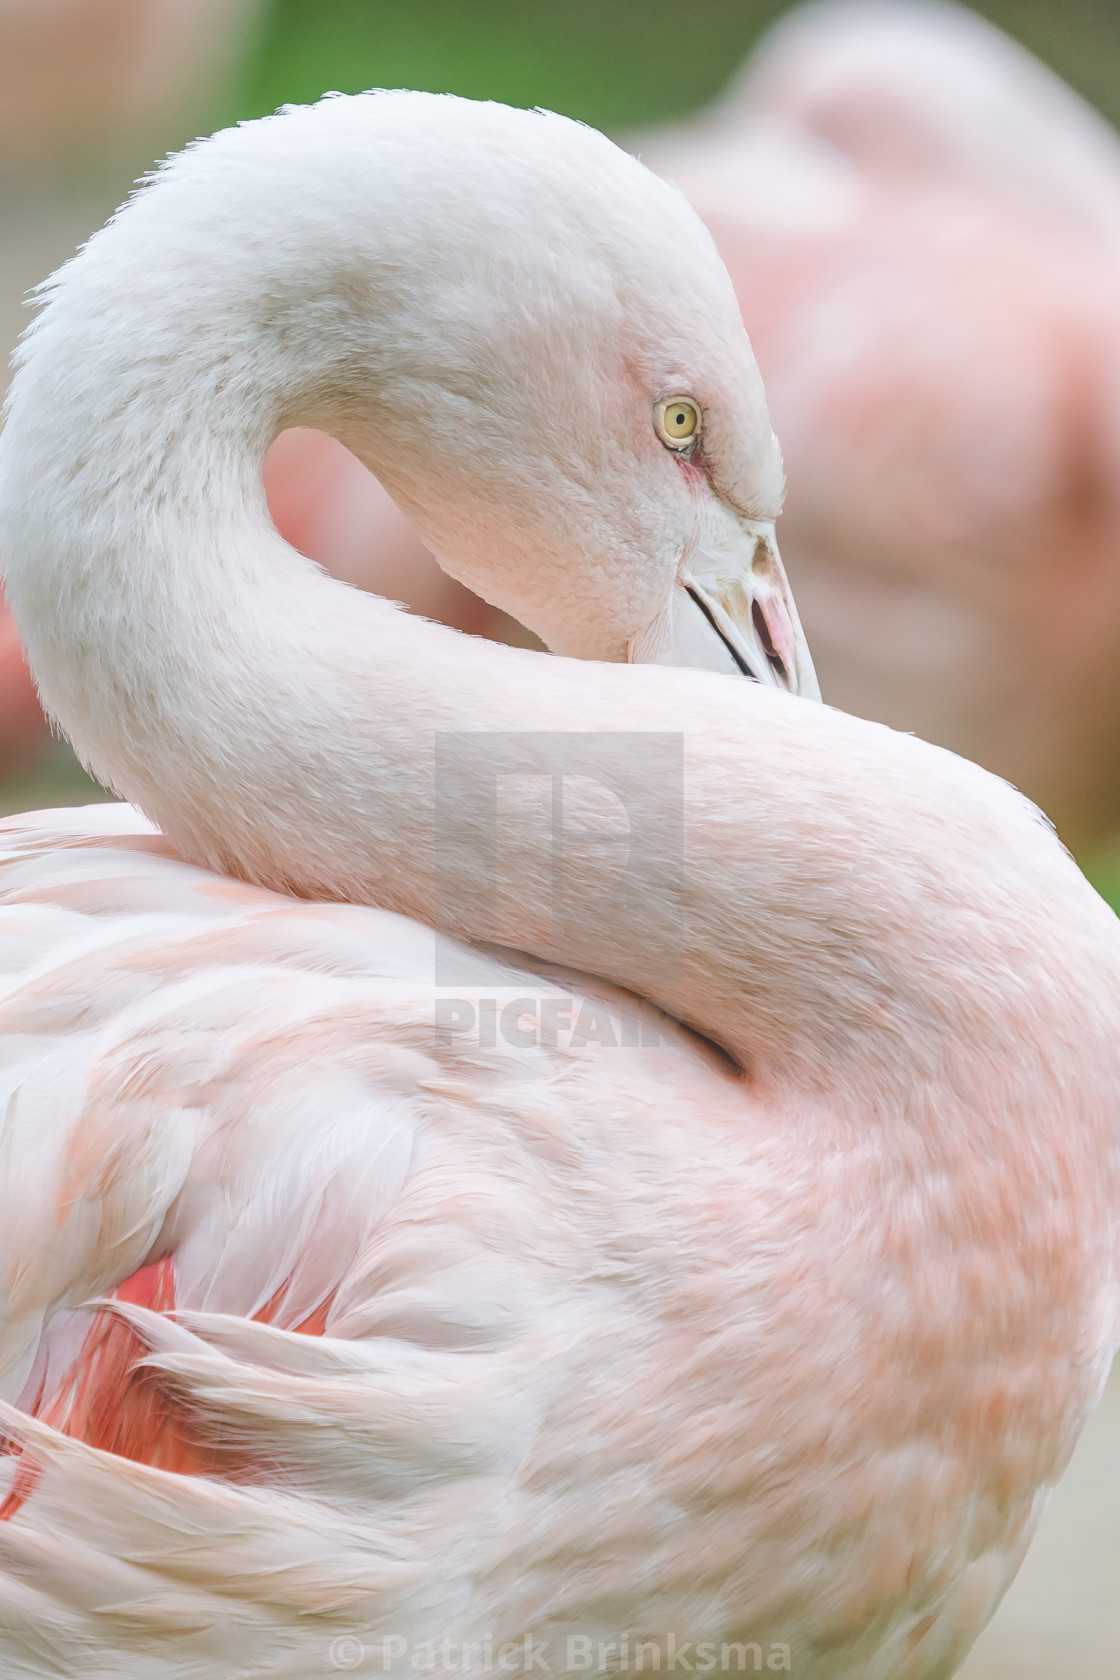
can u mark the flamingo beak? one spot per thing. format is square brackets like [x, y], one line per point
[732, 610]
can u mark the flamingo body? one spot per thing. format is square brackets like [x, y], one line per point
[365, 1281]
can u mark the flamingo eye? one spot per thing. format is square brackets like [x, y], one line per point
[677, 422]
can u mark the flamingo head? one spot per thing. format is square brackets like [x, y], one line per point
[552, 377]
[528, 337]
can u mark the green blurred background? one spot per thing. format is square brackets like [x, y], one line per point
[616, 63]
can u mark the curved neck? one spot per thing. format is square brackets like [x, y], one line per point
[284, 728]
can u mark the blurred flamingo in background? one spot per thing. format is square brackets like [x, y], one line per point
[923, 228]
[23, 727]
[107, 84]
[100, 81]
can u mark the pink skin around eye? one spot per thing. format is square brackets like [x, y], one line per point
[694, 469]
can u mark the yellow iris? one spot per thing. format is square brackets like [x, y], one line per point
[677, 421]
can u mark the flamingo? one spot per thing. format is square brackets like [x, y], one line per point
[755, 1309]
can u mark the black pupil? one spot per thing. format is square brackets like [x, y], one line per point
[680, 419]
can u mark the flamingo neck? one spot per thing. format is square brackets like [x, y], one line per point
[284, 728]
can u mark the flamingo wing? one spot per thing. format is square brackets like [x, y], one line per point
[213, 1103]
[199, 1112]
